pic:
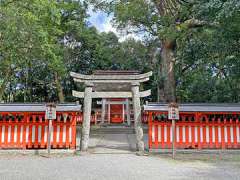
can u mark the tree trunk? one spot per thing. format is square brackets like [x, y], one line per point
[4, 83]
[160, 96]
[167, 54]
[160, 87]
[59, 89]
[2, 89]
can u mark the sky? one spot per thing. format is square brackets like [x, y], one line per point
[102, 21]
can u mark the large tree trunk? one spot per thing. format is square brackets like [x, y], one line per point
[160, 94]
[167, 54]
[59, 89]
[160, 87]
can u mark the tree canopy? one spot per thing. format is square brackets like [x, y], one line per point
[191, 46]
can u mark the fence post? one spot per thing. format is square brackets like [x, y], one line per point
[73, 125]
[49, 135]
[173, 138]
[150, 130]
[198, 130]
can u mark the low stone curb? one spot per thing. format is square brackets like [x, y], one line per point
[36, 152]
[202, 151]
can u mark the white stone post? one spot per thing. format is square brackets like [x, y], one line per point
[137, 118]
[86, 116]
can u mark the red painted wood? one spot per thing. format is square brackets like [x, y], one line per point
[156, 136]
[150, 130]
[208, 132]
[116, 111]
[15, 132]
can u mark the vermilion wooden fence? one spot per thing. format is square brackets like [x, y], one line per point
[210, 130]
[93, 120]
[29, 130]
[96, 118]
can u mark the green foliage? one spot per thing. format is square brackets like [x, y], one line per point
[31, 35]
[211, 55]
[41, 41]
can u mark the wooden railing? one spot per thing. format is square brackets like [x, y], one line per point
[195, 130]
[29, 130]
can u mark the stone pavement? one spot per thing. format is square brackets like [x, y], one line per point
[112, 140]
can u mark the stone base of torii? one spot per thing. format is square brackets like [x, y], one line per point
[112, 84]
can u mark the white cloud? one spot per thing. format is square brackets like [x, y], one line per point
[102, 21]
[108, 27]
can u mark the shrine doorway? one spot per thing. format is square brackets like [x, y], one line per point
[116, 110]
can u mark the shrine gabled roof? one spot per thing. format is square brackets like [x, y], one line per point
[39, 107]
[195, 107]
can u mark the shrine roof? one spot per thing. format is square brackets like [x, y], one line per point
[195, 107]
[37, 107]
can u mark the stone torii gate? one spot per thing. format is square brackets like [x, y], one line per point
[112, 84]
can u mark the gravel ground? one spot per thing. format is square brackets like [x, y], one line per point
[114, 166]
[112, 156]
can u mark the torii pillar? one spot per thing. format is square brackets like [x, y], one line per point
[86, 116]
[137, 117]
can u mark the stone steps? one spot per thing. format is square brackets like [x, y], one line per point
[114, 129]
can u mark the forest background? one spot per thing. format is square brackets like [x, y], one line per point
[192, 47]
